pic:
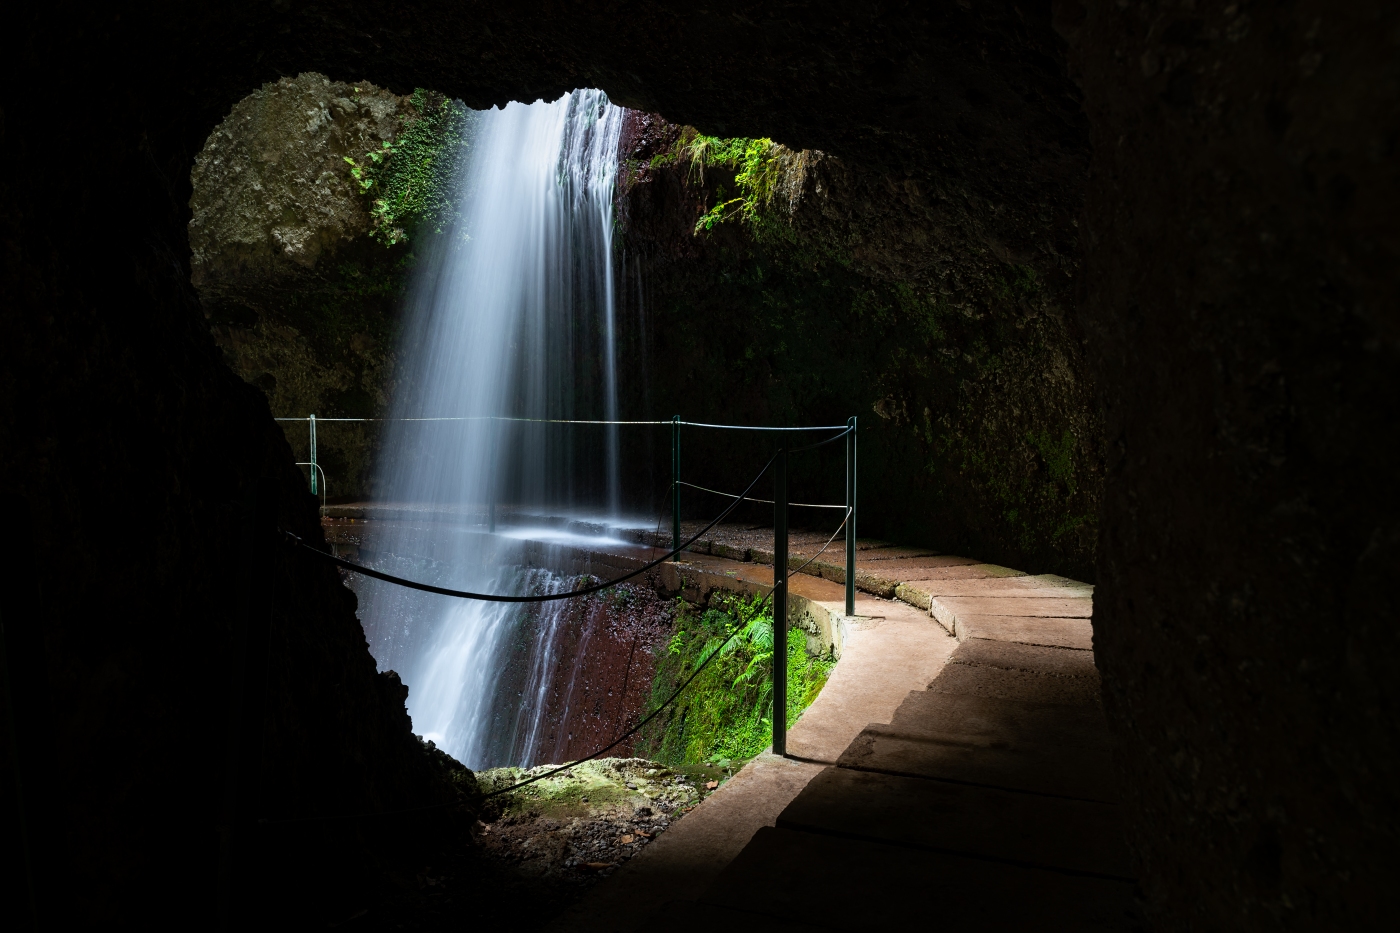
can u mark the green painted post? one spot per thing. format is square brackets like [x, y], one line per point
[313, 454]
[851, 517]
[675, 482]
[780, 603]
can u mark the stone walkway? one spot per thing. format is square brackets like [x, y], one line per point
[956, 766]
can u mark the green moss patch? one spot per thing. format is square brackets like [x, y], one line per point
[410, 181]
[725, 715]
[606, 786]
[791, 287]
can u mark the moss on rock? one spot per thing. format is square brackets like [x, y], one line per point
[726, 713]
[786, 287]
[303, 245]
[603, 787]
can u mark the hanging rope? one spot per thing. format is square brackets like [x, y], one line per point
[767, 595]
[539, 598]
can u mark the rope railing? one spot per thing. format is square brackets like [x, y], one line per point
[730, 495]
[633, 730]
[481, 418]
[719, 649]
[536, 598]
[777, 592]
[691, 424]
[847, 430]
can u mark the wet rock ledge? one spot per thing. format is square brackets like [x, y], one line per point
[583, 823]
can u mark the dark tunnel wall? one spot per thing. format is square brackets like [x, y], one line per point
[1239, 301]
[1242, 305]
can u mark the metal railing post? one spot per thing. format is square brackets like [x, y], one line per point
[780, 603]
[312, 421]
[494, 478]
[851, 517]
[675, 482]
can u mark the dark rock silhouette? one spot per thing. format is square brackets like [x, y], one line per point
[1238, 304]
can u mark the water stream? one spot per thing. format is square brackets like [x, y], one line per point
[512, 315]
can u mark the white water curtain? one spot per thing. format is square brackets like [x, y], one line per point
[512, 313]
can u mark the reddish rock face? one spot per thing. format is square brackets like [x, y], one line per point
[1238, 305]
[601, 683]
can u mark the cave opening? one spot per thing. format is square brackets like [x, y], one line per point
[1111, 287]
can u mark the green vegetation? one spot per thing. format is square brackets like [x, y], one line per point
[409, 181]
[756, 173]
[586, 789]
[963, 366]
[726, 713]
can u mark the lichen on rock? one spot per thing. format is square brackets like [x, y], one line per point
[271, 186]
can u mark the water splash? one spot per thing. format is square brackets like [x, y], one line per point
[512, 315]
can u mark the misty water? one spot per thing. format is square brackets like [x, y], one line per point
[512, 316]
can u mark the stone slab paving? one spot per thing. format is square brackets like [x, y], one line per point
[984, 795]
[956, 766]
[1059, 633]
[1042, 748]
[970, 819]
[889, 651]
[816, 880]
[987, 799]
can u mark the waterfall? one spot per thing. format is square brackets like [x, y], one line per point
[511, 315]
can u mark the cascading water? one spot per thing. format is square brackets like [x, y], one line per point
[512, 317]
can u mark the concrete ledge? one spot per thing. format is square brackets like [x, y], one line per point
[827, 630]
[1058, 633]
[1040, 659]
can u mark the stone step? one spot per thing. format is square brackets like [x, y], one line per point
[1045, 748]
[1061, 633]
[1051, 607]
[1008, 588]
[1029, 686]
[819, 881]
[1066, 662]
[961, 819]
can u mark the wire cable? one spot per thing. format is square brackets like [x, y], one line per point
[540, 598]
[834, 437]
[691, 424]
[824, 546]
[757, 427]
[730, 495]
[653, 714]
[479, 418]
[616, 742]
[553, 771]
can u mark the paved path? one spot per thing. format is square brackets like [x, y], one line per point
[886, 655]
[956, 765]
